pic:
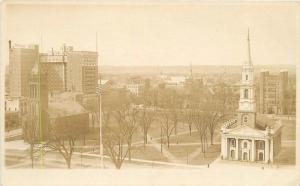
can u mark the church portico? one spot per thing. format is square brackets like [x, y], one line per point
[247, 149]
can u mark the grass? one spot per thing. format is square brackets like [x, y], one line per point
[183, 153]
[147, 153]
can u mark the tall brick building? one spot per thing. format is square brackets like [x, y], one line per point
[273, 92]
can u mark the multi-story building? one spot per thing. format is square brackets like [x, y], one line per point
[135, 88]
[16, 104]
[15, 108]
[273, 92]
[82, 71]
[38, 101]
[55, 66]
[21, 61]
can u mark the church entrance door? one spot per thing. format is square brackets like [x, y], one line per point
[260, 156]
[232, 153]
[245, 156]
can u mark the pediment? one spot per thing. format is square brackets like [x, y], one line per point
[246, 131]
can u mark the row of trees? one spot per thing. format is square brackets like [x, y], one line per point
[121, 121]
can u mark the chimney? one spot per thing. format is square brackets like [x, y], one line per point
[9, 44]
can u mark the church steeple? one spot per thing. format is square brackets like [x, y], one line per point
[247, 105]
[249, 49]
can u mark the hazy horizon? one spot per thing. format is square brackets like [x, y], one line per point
[170, 34]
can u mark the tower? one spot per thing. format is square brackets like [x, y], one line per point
[247, 105]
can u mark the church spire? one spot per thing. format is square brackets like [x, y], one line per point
[249, 51]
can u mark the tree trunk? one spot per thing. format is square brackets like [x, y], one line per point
[212, 138]
[190, 127]
[68, 160]
[84, 140]
[168, 139]
[129, 150]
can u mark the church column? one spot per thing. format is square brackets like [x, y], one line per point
[224, 147]
[271, 150]
[236, 148]
[253, 157]
[267, 150]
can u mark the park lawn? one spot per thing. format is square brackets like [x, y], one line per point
[147, 153]
[194, 138]
[288, 130]
[184, 153]
[212, 153]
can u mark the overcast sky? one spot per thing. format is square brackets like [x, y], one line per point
[161, 34]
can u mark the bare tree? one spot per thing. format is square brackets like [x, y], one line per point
[213, 116]
[200, 122]
[147, 117]
[189, 117]
[114, 140]
[212, 123]
[30, 135]
[174, 117]
[130, 126]
[167, 125]
[63, 133]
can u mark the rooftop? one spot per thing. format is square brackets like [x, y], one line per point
[64, 105]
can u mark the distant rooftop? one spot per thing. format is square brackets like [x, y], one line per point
[64, 104]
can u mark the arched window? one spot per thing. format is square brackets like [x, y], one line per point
[246, 93]
[245, 144]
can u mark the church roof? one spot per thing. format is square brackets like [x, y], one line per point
[244, 131]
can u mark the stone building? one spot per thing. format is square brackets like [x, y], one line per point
[245, 138]
[38, 101]
[82, 71]
[21, 60]
[273, 92]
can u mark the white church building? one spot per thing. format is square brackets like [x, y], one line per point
[245, 138]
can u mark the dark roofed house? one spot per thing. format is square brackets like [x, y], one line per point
[66, 116]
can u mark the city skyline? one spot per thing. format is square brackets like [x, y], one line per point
[155, 35]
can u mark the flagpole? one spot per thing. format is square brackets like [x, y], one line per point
[100, 126]
[100, 109]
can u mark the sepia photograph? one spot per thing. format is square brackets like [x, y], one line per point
[149, 93]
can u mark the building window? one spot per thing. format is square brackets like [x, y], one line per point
[246, 77]
[245, 119]
[246, 93]
[261, 145]
[233, 142]
[245, 145]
